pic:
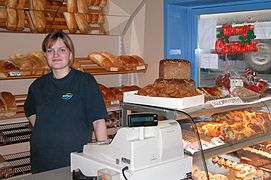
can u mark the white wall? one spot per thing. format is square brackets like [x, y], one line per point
[145, 37]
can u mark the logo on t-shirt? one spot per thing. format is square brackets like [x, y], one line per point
[67, 96]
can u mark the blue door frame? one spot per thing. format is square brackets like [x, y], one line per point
[181, 24]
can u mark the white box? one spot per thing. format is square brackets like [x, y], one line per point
[171, 103]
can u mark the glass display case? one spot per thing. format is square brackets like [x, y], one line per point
[231, 141]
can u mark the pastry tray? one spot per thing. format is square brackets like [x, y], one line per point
[171, 103]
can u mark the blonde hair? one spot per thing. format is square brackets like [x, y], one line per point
[51, 38]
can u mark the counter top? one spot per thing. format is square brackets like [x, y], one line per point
[59, 174]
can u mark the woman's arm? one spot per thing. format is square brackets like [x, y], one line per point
[100, 130]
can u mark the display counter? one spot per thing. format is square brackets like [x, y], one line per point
[59, 174]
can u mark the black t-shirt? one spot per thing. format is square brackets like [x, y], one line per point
[65, 110]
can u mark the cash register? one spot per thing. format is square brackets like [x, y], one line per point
[146, 149]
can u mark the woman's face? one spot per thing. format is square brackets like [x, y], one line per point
[58, 56]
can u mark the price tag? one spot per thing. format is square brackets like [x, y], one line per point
[140, 67]
[114, 69]
[236, 82]
[15, 73]
[226, 102]
[115, 102]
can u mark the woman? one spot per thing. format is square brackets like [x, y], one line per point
[63, 106]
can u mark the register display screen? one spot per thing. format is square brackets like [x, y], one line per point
[142, 119]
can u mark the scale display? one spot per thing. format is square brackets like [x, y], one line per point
[142, 119]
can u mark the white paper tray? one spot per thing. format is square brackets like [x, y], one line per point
[171, 103]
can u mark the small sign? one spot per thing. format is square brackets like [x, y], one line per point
[140, 67]
[236, 82]
[114, 69]
[115, 102]
[16, 73]
[226, 102]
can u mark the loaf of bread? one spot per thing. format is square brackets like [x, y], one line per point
[37, 5]
[11, 4]
[38, 19]
[72, 6]
[100, 60]
[8, 100]
[140, 61]
[82, 6]
[20, 20]
[7, 66]
[20, 4]
[30, 22]
[70, 22]
[172, 88]
[174, 69]
[116, 62]
[82, 23]
[103, 3]
[3, 15]
[11, 21]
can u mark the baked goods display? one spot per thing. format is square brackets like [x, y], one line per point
[7, 104]
[241, 170]
[173, 88]
[32, 63]
[40, 16]
[198, 174]
[115, 63]
[174, 69]
[113, 95]
[212, 93]
[244, 93]
[236, 125]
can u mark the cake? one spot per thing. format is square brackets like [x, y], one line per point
[174, 69]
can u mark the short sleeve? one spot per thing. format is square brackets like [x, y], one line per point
[95, 104]
[30, 105]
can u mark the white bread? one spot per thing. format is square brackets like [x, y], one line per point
[70, 22]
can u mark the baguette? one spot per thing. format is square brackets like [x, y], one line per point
[103, 3]
[70, 22]
[39, 21]
[11, 22]
[11, 4]
[20, 4]
[20, 20]
[72, 6]
[37, 5]
[82, 6]
[82, 22]
[3, 14]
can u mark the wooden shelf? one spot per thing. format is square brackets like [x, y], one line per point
[86, 65]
